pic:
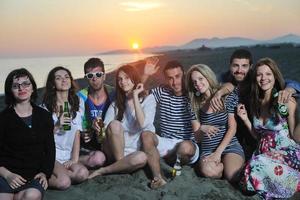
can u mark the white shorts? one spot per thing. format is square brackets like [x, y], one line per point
[167, 145]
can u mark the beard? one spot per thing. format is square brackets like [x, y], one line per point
[97, 87]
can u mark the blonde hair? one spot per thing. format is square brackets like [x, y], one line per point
[196, 101]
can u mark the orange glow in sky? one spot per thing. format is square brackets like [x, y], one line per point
[135, 45]
[88, 27]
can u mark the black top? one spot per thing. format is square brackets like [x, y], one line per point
[28, 120]
[23, 150]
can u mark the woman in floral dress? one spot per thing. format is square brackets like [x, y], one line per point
[274, 169]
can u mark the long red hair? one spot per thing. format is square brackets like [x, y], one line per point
[257, 94]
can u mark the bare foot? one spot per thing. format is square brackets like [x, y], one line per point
[157, 183]
[95, 173]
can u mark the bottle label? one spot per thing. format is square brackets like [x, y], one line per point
[282, 109]
[177, 166]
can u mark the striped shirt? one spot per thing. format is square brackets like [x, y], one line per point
[219, 120]
[175, 114]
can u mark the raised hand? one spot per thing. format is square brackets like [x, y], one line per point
[242, 112]
[139, 88]
[42, 180]
[151, 66]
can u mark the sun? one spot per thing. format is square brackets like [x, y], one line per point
[135, 46]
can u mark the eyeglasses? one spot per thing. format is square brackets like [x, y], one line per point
[95, 74]
[25, 84]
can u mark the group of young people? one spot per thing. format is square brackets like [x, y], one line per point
[237, 130]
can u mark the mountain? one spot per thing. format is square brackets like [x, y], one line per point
[238, 41]
[215, 42]
[290, 38]
[219, 42]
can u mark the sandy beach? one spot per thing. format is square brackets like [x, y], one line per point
[135, 187]
[187, 186]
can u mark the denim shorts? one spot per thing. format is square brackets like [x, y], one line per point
[233, 147]
[34, 183]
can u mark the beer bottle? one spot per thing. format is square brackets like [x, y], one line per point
[177, 166]
[282, 109]
[101, 133]
[85, 124]
[66, 127]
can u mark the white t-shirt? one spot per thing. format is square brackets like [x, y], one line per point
[132, 130]
[64, 140]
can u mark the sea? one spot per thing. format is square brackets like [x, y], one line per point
[40, 66]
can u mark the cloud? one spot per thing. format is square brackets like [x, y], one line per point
[133, 6]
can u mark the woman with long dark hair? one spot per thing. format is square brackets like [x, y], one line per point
[126, 118]
[60, 92]
[27, 150]
[274, 169]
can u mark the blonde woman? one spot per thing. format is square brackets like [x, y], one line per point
[221, 153]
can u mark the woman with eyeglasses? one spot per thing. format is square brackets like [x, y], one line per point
[127, 117]
[27, 149]
[60, 92]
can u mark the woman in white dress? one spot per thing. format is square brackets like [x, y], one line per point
[131, 114]
[60, 89]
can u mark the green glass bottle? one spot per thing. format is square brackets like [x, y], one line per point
[282, 109]
[66, 127]
[101, 134]
[85, 124]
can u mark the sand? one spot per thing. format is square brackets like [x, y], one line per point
[135, 187]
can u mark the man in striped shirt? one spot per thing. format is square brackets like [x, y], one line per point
[176, 139]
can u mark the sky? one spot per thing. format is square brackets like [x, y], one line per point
[82, 27]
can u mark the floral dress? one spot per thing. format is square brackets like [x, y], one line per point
[274, 169]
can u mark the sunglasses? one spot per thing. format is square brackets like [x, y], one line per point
[95, 74]
[25, 84]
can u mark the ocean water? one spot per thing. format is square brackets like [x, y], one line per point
[39, 67]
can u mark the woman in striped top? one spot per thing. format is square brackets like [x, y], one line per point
[221, 154]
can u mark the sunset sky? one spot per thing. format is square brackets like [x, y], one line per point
[81, 27]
